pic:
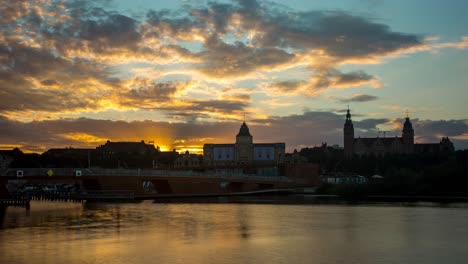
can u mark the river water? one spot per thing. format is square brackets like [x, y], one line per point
[151, 232]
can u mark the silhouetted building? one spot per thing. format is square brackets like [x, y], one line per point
[130, 148]
[385, 145]
[444, 146]
[127, 155]
[188, 160]
[244, 151]
[323, 151]
[294, 158]
[67, 157]
[68, 152]
[8, 156]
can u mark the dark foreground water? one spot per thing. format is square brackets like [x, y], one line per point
[232, 233]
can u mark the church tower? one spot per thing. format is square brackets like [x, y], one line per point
[244, 145]
[408, 136]
[348, 132]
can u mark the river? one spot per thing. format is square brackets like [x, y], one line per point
[149, 232]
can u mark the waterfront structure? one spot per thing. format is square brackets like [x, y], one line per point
[244, 151]
[390, 145]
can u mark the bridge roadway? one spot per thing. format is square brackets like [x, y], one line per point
[152, 182]
[28, 173]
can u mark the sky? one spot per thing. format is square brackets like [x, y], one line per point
[184, 73]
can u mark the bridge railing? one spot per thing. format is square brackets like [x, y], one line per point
[75, 172]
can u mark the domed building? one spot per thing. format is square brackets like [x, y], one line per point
[244, 151]
[390, 145]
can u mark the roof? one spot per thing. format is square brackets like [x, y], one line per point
[387, 141]
[268, 144]
[11, 152]
[63, 151]
[244, 131]
[127, 147]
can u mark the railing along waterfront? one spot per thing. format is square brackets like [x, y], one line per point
[78, 172]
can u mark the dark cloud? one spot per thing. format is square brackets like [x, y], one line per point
[357, 98]
[237, 97]
[49, 82]
[225, 106]
[433, 130]
[18, 94]
[166, 23]
[30, 61]
[93, 29]
[199, 108]
[226, 60]
[22, 65]
[328, 77]
[369, 124]
[156, 92]
[340, 34]
[110, 31]
[238, 38]
[289, 86]
[337, 34]
[147, 94]
[65, 48]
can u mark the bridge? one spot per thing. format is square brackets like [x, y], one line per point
[147, 183]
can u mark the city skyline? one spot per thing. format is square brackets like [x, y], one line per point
[186, 73]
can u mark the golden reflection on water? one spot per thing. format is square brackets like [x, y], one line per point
[230, 233]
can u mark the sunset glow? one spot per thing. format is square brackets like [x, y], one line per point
[185, 73]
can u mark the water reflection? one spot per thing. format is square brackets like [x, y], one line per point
[231, 233]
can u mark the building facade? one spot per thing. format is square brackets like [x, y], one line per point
[187, 160]
[243, 151]
[389, 145]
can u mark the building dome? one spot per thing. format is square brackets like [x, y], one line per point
[408, 127]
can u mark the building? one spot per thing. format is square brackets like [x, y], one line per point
[8, 156]
[68, 157]
[111, 149]
[126, 155]
[187, 160]
[390, 145]
[244, 151]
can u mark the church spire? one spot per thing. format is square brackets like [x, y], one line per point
[408, 135]
[348, 135]
[348, 118]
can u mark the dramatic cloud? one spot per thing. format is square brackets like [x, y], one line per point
[289, 87]
[145, 93]
[224, 60]
[204, 62]
[265, 35]
[325, 78]
[357, 98]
